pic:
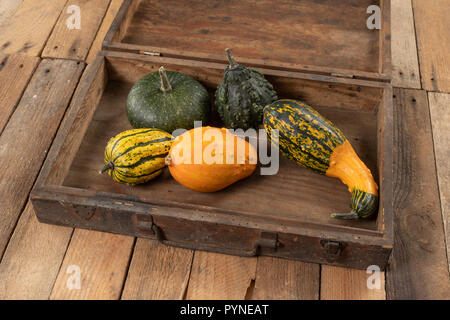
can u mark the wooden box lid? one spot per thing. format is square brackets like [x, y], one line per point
[325, 37]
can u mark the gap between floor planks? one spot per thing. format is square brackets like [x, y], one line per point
[106, 24]
[15, 74]
[74, 44]
[433, 42]
[418, 266]
[440, 120]
[41, 284]
[42, 111]
[405, 63]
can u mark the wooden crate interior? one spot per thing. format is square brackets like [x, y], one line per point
[294, 194]
[304, 32]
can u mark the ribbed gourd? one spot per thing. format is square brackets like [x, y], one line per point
[316, 143]
[167, 100]
[242, 96]
[137, 156]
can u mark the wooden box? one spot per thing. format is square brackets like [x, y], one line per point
[316, 51]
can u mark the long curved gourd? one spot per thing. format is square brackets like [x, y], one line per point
[316, 143]
[136, 156]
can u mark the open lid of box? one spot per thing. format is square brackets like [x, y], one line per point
[325, 37]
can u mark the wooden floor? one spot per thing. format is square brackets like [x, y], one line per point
[41, 62]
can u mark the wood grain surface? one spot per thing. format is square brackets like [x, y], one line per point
[307, 32]
[29, 28]
[23, 150]
[433, 41]
[35, 248]
[218, 277]
[157, 272]
[7, 9]
[285, 279]
[107, 20]
[75, 43]
[349, 284]
[85, 97]
[100, 263]
[405, 63]
[34, 256]
[418, 267]
[33, 259]
[440, 120]
[15, 72]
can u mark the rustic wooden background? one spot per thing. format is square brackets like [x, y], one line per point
[41, 63]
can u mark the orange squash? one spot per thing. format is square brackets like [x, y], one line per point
[209, 159]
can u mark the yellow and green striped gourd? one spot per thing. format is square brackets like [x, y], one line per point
[137, 156]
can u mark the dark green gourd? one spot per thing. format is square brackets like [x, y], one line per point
[242, 96]
[167, 101]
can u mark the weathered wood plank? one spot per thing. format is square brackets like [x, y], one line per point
[30, 26]
[15, 72]
[405, 62]
[157, 272]
[349, 284]
[418, 267]
[35, 248]
[102, 278]
[433, 40]
[7, 9]
[33, 258]
[28, 135]
[341, 41]
[107, 20]
[74, 43]
[217, 276]
[440, 120]
[285, 279]
[99, 257]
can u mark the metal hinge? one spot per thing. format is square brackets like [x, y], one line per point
[150, 53]
[342, 75]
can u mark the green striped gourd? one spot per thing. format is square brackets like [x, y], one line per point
[317, 144]
[137, 156]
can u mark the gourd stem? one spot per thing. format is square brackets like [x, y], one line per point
[233, 63]
[108, 166]
[346, 216]
[165, 84]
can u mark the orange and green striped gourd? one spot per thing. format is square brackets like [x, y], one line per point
[317, 144]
